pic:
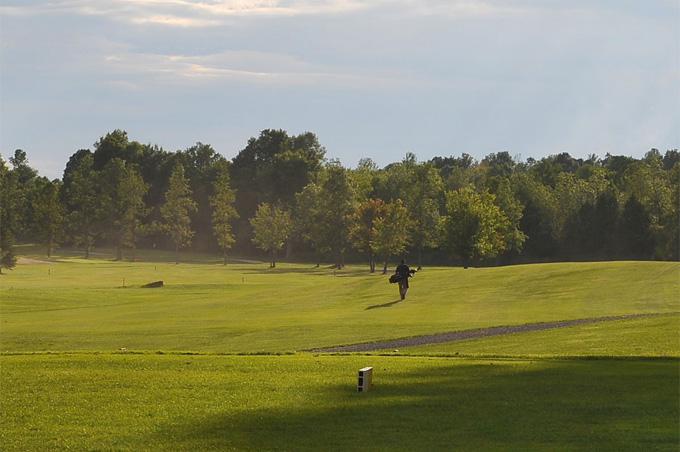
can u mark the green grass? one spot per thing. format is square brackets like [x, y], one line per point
[77, 305]
[190, 377]
[309, 403]
[656, 336]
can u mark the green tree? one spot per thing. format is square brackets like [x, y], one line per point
[539, 216]
[273, 168]
[365, 176]
[421, 199]
[26, 179]
[474, 226]
[391, 231]
[82, 201]
[651, 185]
[175, 210]
[48, 214]
[224, 212]
[121, 190]
[363, 227]
[636, 239]
[203, 167]
[116, 145]
[271, 228]
[336, 203]
[8, 218]
[512, 209]
[307, 219]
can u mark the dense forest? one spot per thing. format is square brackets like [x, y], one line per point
[281, 196]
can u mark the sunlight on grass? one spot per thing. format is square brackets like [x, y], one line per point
[250, 403]
[91, 360]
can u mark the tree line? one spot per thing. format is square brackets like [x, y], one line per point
[280, 194]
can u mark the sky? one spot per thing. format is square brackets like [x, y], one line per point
[376, 78]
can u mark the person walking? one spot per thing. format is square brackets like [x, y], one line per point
[404, 272]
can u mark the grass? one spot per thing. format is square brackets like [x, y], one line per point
[309, 403]
[192, 375]
[76, 305]
[656, 336]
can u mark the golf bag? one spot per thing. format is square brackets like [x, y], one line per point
[398, 276]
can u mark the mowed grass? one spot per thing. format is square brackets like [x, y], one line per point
[213, 360]
[99, 305]
[309, 403]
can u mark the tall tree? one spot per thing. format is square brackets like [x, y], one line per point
[307, 219]
[8, 216]
[363, 227]
[512, 209]
[48, 214]
[114, 145]
[636, 239]
[337, 201]
[224, 212]
[421, 199]
[272, 168]
[391, 231]
[26, 179]
[474, 226]
[81, 200]
[175, 210]
[203, 167]
[271, 228]
[121, 190]
[538, 217]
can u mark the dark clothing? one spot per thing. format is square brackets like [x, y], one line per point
[404, 272]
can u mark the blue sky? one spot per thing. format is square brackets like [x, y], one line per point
[374, 79]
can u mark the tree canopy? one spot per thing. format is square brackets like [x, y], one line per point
[500, 209]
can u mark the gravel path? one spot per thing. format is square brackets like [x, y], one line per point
[468, 334]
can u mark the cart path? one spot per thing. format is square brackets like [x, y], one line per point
[471, 334]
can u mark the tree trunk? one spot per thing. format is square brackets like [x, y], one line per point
[338, 258]
[119, 252]
[176, 253]
[385, 266]
[420, 257]
[87, 251]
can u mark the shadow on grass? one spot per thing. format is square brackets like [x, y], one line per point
[496, 406]
[384, 305]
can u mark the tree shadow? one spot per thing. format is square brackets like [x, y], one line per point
[384, 305]
[472, 407]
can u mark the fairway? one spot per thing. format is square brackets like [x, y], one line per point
[214, 359]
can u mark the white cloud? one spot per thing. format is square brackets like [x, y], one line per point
[246, 67]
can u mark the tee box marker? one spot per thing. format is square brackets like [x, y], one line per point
[365, 379]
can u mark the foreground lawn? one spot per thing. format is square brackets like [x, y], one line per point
[127, 402]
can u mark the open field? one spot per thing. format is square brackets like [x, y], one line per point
[213, 360]
[99, 305]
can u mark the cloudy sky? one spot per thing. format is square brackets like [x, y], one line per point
[371, 78]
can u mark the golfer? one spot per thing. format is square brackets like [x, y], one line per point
[404, 272]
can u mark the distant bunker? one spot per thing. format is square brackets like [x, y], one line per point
[151, 285]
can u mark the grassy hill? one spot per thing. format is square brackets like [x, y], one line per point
[100, 305]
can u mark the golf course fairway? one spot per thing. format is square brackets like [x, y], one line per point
[218, 357]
